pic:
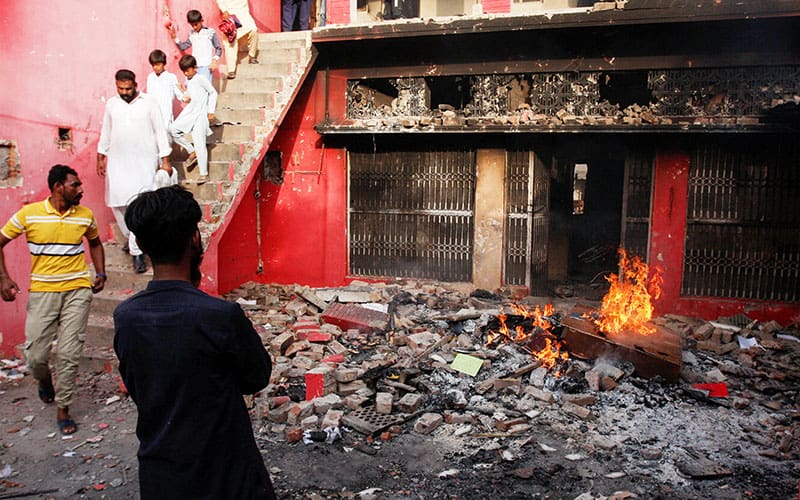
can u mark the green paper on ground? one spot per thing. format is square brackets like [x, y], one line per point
[465, 363]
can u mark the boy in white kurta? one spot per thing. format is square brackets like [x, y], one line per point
[195, 117]
[163, 86]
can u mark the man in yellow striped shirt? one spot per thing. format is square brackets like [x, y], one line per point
[61, 285]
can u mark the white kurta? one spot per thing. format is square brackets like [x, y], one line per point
[203, 101]
[241, 10]
[164, 89]
[133, 139]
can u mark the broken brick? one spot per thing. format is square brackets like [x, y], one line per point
[383, 403]
[578, 411]
[345, 375]
[293, 434]
[333, 418]
[347, 316]
[300, 345]
[410, 402]
[427, 423]
[280, 343]
[504, 425]
[317, 336]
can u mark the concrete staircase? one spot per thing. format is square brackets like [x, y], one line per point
[250, 110]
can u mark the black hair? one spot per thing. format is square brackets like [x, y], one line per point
[125, 75]
[59, 173]
[157, 56]
[194, 16]
[164, 222]
[186, 62]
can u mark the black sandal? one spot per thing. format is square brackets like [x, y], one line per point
[47, 394]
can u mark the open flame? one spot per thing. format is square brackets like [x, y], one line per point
[628, 305]
[539, 340]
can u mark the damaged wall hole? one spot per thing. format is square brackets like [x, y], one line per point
[64, 139]
[10, 169]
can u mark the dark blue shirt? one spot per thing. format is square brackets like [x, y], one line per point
[186, 359]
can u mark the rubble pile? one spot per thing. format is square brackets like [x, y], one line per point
[368, 362]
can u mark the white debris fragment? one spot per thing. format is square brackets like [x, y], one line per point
[244, 302]
[112, 399]
[546, 448]
[6, 472]
[574, 457]
[463, 430]
[446, 474]
[615, 475]
[369, 494]
[28, 418]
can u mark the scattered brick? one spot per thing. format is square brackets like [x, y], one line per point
[427, 423]
[333, 418]
[410, 403]
[383, 403]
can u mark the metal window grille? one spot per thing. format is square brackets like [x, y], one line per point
[411, 214]
[743, 221]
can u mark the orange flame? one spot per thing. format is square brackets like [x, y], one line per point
[551, 352]
[628, 305]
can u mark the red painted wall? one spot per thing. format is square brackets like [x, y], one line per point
[60, 59]
[668, 231]
[303, 220]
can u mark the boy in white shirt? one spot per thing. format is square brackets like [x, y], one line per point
[195, 117]
[163, 86]
[205, 45]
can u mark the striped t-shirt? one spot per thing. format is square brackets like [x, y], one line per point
[55, 242]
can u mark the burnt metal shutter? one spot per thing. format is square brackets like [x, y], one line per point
[527, 221]
[411, 214]
[637, 204]
[743, 221]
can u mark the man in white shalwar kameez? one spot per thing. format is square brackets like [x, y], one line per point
[132, 140]
[248, 30]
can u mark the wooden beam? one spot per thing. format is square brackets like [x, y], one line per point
[656, 354]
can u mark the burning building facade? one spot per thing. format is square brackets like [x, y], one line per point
[526, 150]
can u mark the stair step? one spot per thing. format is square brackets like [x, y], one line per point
[106, 301]
[283, 55]
[211, 191]
[254, 83]
[266, 44]
[232, 133]
[264, 70]
[241, 116]
[285, 35]
[217, 171]
[100, 331]
[252, 100]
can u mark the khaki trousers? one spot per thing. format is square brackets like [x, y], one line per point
[62, 316]
[232, 49]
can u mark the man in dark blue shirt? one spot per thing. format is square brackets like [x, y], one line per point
[187, 358]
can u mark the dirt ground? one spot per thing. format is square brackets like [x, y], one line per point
[559, 458]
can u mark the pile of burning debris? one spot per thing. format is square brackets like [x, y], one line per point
[385, 358]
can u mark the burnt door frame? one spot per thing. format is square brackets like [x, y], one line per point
[527, 220]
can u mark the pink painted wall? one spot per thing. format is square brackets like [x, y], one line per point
[337, 12]
[496, 6]
[60, 60]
